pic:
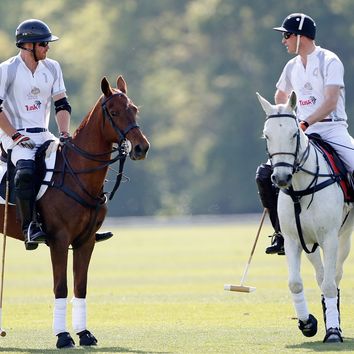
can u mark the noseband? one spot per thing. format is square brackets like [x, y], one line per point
[294, 154]
[106, 114]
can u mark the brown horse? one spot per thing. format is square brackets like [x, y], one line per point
[73, 207]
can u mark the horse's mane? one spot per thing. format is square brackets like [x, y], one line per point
[86, 119]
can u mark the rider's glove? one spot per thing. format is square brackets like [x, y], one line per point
[304, 125]
[23, 141]
[64, 137]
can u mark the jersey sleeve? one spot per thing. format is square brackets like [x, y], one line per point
[334, 73]
[3, 80]
[58, 84]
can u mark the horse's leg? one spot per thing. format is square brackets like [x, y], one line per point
[81, 260]
[329, 290]
[307, 322]
[316, 261]
[59, 256]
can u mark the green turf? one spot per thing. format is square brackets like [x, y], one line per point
[160, 290]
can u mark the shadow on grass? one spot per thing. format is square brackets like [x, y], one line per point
[83, 349]
[319, 346]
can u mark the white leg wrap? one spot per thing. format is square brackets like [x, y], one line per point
[332, 316]
[79, 314]
[300, 306]
[59, 316]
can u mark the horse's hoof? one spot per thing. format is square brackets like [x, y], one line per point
[309, 327]
[30, 246]
[103, 236]
[65, 340]
[87, 338]
[333, 335]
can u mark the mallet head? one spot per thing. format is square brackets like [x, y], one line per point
[239, 288]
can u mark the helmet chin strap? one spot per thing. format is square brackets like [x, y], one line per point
[31, 51]
[297, 43]
[298, 35]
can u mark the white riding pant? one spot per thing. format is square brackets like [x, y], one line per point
[337, 135]
[21, 153]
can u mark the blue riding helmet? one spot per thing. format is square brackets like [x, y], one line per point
[298, 23]
[33, 31]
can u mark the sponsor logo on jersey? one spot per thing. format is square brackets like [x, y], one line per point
[35, 91]
[310, 101]
[306, 90]
[33, 107]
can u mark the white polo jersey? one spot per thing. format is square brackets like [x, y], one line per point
[323, 68]
[26, 96]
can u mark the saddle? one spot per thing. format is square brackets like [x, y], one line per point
[344, 178]
[41, 170]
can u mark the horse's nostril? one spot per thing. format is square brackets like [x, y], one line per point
[138, 150]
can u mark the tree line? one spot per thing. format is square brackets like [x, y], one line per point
[192, 67]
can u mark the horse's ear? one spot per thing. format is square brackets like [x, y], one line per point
[106, 87]
[122, 85]
[292, 101]
[267, 107]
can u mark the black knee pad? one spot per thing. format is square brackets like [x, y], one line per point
[24, 179]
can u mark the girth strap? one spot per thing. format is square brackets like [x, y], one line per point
[296, 196]
[297, 210]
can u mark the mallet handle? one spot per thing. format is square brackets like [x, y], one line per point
[254, 247]
[7, 195]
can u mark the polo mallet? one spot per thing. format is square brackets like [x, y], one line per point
[241, 288]
[7, 192]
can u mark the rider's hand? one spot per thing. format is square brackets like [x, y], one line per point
[304, 125]
[23, 141]
[64, 137]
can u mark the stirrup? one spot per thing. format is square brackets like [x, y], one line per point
[35, 234]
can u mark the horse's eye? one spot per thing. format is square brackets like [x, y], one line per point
[114, 113]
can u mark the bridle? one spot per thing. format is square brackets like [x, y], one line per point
[107, 115]
[297, 162]
[121, 151]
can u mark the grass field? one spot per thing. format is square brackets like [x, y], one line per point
[160, 290]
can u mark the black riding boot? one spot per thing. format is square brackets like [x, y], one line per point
[277, 245]
[103, 236]
[32, 231]
[25, 203]
[268, 194]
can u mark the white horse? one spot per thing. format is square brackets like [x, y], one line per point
[312, 211]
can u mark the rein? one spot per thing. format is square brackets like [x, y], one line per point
[297, 166]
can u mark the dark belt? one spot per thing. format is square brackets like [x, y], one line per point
[332, 120]
[33, 130]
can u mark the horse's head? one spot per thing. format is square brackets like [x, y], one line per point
[121, 113]
[282, 135]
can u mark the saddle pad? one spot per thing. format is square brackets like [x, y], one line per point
[50, 159]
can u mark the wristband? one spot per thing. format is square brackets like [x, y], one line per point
[306, 124]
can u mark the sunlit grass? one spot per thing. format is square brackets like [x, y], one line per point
[160, 290]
